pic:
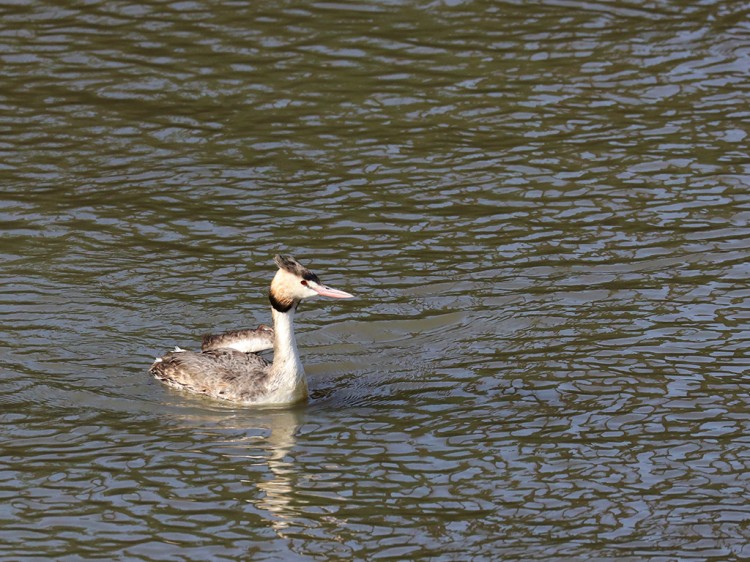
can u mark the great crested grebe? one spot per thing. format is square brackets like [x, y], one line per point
[228, 367]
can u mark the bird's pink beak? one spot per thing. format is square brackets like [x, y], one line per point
[324, 291]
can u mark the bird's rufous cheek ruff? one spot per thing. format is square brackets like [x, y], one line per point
[280, 302]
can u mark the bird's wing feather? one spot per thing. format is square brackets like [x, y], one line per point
[221, 373]
[246, 341]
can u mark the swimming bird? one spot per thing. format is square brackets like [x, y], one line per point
[228, 366]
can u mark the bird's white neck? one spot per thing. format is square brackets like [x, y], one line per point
[287, 372]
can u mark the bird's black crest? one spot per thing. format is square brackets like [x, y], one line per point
[288, 263]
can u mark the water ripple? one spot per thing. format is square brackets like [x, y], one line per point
[542, 211]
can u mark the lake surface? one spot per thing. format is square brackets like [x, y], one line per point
[542, 210]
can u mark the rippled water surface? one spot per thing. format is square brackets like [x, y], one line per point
[542, 209]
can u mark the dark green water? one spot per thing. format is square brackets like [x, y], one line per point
[542, 209]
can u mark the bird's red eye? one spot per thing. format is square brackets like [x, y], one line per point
[304, 282]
